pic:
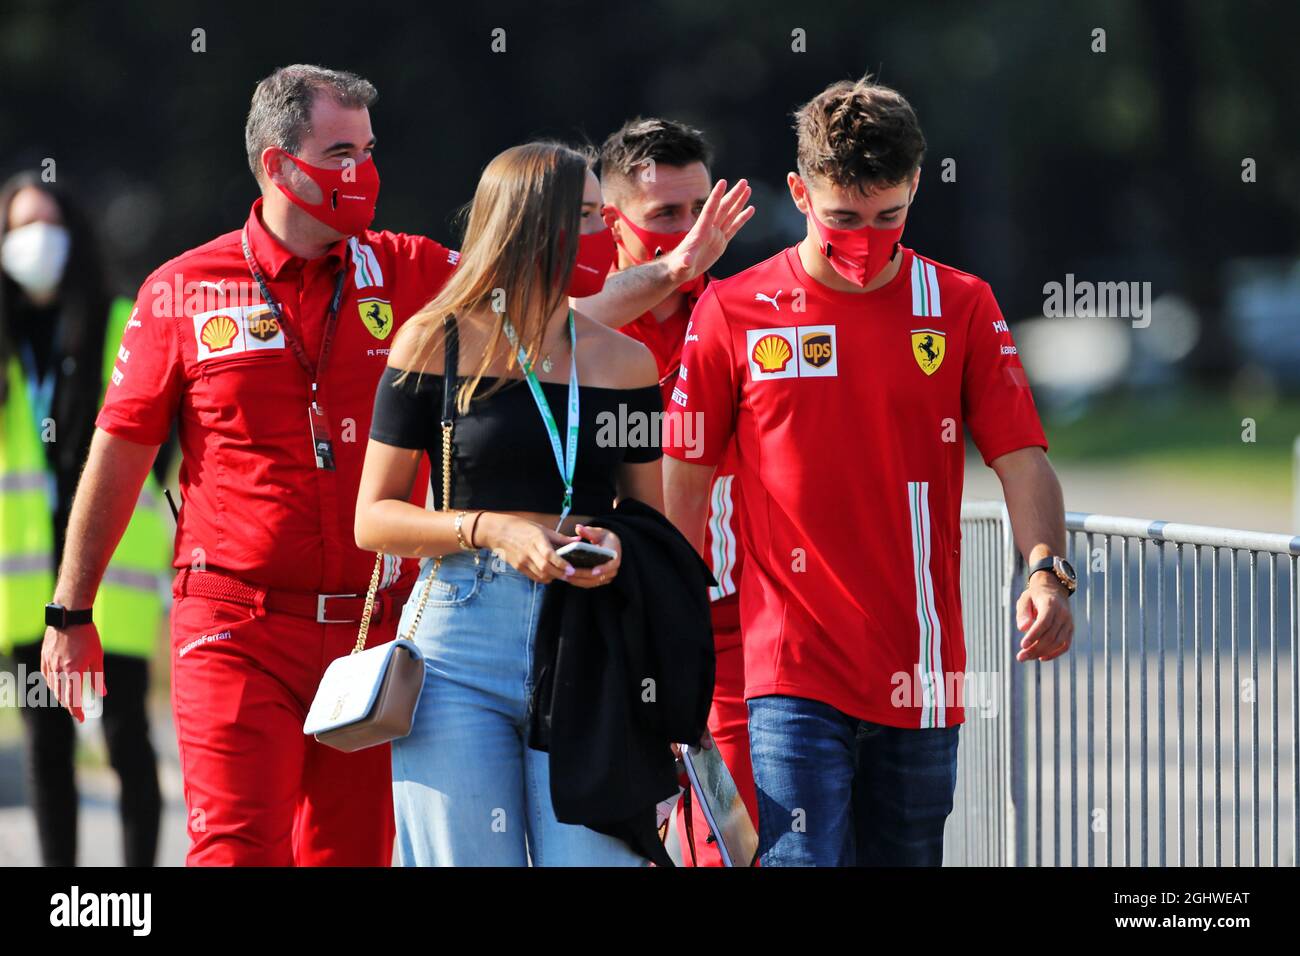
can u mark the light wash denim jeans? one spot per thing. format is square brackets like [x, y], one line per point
[467, 790]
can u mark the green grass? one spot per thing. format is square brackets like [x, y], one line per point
[1197, 435]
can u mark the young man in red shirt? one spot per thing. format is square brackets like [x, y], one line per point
[660, 198]
[267, 343]
[843, 370]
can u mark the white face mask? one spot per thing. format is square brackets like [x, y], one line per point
[34, 256]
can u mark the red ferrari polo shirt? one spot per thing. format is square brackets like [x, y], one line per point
[203, 347]
[847, 412]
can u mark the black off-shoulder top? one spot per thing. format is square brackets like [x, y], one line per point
[501, 455]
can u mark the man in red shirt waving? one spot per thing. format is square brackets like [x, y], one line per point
[267, 344]
[654, 174]
[844, 369]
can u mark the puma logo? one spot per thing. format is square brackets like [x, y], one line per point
[759, 297]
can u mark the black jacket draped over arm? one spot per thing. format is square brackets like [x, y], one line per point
[619, 673]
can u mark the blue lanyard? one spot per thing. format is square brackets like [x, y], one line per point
[567, 460]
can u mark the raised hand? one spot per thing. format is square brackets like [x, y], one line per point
[724, 213]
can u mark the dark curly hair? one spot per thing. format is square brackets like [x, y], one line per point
[858, 134]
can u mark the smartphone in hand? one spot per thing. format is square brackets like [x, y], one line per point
[584, 554]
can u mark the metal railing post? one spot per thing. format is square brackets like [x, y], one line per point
[1202, 786]
[1017, 725]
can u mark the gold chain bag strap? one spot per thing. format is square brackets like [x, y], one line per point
[369, 697]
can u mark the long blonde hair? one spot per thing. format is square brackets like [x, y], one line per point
[516, 258]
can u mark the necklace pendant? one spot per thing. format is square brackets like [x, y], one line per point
[546, 364]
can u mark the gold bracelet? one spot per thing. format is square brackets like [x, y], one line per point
[460, 538]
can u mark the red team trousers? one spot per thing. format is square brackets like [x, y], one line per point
[258, 791]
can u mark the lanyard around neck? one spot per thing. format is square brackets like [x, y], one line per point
[294, 345]
[567, 460]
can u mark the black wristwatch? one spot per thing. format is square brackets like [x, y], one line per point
[56, 615]
[1060, 568]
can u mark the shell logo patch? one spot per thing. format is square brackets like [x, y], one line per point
[772, 353]
[218, 333]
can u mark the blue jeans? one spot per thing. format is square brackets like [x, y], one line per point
[467, 790]
[834, 790]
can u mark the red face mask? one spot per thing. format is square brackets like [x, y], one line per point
[857, 254]
[595, 259]
[658, 243]
[348, 205]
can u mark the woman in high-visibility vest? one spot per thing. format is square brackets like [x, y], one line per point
[59, 335]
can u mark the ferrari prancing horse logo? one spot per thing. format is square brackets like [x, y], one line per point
[928, 349]
[377, 314]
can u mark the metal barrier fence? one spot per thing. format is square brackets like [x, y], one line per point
[1167, 735]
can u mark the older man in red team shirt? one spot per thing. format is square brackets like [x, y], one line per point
[267, 343]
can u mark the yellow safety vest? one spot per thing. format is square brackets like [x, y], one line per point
[26, 545]
[130, 604]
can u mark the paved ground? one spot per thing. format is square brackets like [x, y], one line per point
[100, 830]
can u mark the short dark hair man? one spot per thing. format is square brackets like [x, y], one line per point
[844, 368]
[267, 343]
[657, 186]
